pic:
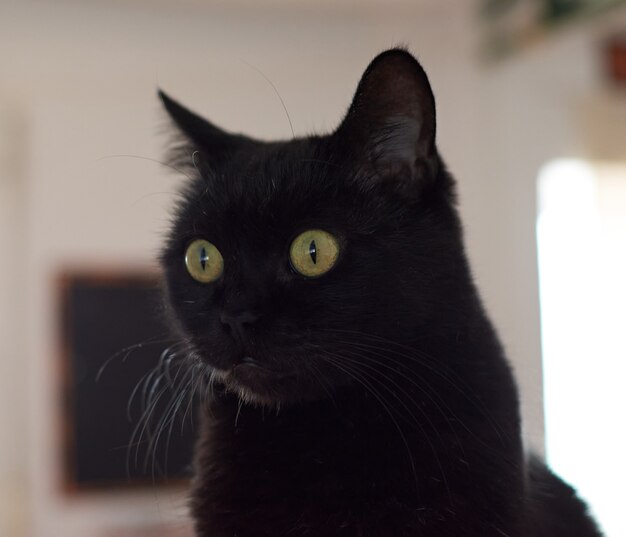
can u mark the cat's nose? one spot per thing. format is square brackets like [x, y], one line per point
[237, 322]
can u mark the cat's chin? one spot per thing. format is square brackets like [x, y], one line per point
[258, 386]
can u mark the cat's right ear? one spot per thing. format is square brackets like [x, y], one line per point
[213, 144]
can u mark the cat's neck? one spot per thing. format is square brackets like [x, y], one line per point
[360, 447]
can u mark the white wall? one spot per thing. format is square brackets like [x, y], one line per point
[84, 77]
[13, 379]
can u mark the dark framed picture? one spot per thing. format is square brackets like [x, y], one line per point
[125, 420]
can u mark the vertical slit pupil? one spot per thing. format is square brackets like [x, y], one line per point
[313, 251]
[203, 258]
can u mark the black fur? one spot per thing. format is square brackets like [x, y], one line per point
[374, 400]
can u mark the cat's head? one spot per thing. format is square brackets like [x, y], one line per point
[290, 263]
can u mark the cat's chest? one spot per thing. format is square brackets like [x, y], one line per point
[332, 461]
[316, 477]
[326, 476]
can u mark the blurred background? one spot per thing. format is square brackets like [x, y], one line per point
[531, 101]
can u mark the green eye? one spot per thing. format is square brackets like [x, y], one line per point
[204, 261]
[313, 253]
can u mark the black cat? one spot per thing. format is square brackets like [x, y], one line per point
[355, 385]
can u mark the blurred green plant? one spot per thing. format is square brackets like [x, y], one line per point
[510, 25]
[549, 10]
[495, 8]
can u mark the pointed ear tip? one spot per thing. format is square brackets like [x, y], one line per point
[400, 55]
[396, 63]
[171, 106]
[399, 51]
[395, 60]
[163, 97]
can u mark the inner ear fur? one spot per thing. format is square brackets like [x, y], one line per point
[213, 144]
[391, 123]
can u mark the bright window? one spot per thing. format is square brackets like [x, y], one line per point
[581, 233]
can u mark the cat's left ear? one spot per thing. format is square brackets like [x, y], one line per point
[214, 144]
[390, 126]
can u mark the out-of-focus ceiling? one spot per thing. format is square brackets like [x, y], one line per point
[356, 6]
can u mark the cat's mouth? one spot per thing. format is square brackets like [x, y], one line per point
[250, 370]
[250, 362]
[255, 382]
